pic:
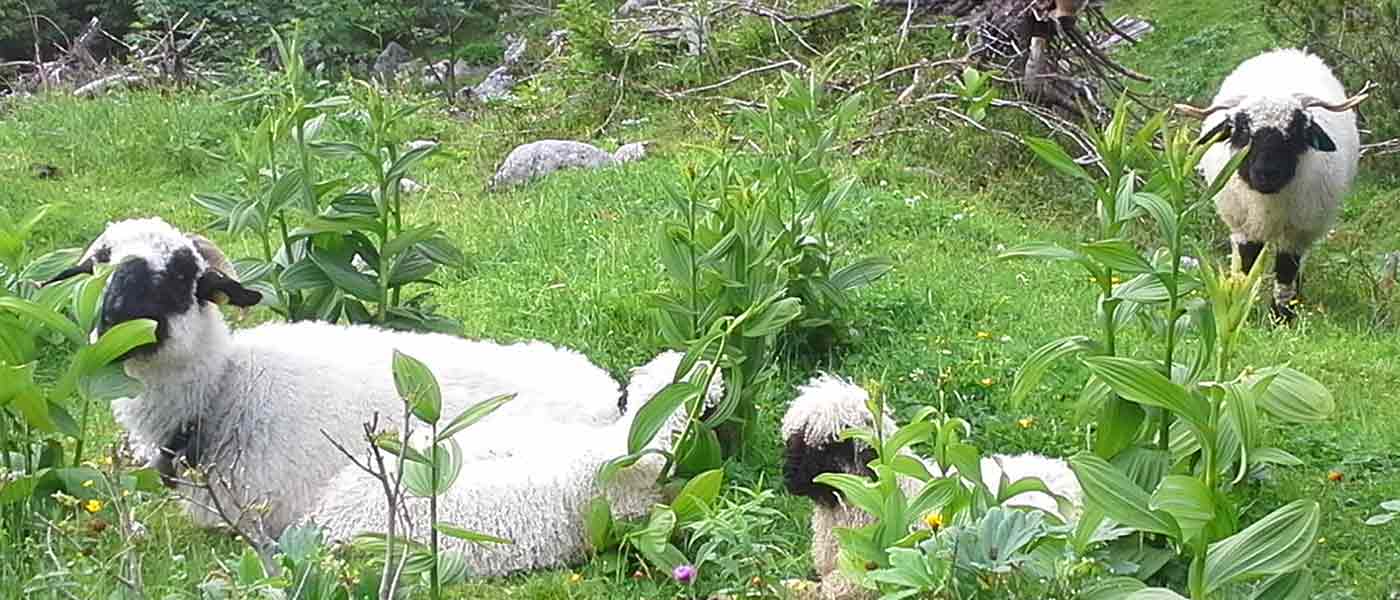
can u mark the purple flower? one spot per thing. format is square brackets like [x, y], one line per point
[685, 574]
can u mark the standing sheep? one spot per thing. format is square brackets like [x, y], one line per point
[828, 405]
[1297, 120]
[250, 407]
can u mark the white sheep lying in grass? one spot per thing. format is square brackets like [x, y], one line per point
[1293, 113]
[828, 405]
[533, 495]
[250, 407]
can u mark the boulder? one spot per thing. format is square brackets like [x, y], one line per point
[386, 66]
[537, 159]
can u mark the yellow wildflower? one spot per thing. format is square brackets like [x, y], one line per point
[987, 382]
[575, 578]
[1026, 422]
[934, 520]
[92, 506]
[89, 483]
[982, 335]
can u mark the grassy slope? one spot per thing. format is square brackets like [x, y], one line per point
[567, 259]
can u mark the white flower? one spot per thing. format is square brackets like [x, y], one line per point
[1188, 262]
[959, 217]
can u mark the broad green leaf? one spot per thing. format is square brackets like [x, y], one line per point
[774, 318]
[1155, 594]
[937, 494]
[336, 224]
[87, 300]
[304, 275]
[219, 205]
[472, 414]
[284, 191]
[1144, 288]
[407, 239]
[442, 251]
[1137, 382]
[1297, 585]
[858, 491]
[49, 265]
[1118, 424]
[1116, 254]
[339, 151]
[407, 160]
[1162, 213]
[48, 318]
[697, 496]
[1121, 499]
[418, 387]
[608, 469]
[1055, 156]
[652, 416]
[451, 530]
[346, 277]
[1044, 250]
[1144, 466]
[906, 435]
[393, 446]
[418, 477]
[1279, 543]
[1111, 588]
[1293, 396]
[653, 539]
[598, 524]
[1275, 456]
[250, 568]
[860, 273]
[1374, 520]
[1035, 367]
[1187, 500]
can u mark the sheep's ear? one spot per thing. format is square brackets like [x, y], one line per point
[216, 287]
[1319, 140]
[1225, 127]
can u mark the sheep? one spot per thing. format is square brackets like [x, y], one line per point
[1293, 113]
[534, 495]
[251, 407]
[828, 405]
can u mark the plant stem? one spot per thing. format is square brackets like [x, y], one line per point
[82, 429]
[432, 516]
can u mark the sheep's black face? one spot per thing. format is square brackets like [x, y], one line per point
[139, 291]
[1274, 153]
[802, 462]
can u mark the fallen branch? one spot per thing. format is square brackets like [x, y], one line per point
[736, 77]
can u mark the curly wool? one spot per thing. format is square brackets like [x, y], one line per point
[533, 494]
[1306, 209]
[265, 399]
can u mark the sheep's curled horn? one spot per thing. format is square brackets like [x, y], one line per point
[1308, 102]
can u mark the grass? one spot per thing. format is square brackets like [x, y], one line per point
[569, 259]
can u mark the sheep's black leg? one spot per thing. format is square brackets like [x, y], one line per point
[1249, 252]
[1286, 284]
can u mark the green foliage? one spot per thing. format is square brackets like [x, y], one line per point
[954, 532]
[335, 29]
[1175, 434]
[1356, 38]
[52, 23]
[351, 255]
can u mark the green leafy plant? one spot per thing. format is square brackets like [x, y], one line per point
[927, 525]
[1390, 511]
[36, 400]
[328, 254]
[426, 472]
[654, 539]
[976, 92]
[1174, 434]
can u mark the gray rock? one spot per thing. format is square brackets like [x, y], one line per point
[515, 50]
[386, 66]
[537, 159]
[631, 152]
[496, 86]
[435, 75]
[632, 6]
[557, 39]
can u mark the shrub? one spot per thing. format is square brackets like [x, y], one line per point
[1357, 38]
[1177, 424]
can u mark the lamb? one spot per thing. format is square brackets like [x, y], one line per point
[828, 405]
[1293, 113]
[533, 495]
[251, 407]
